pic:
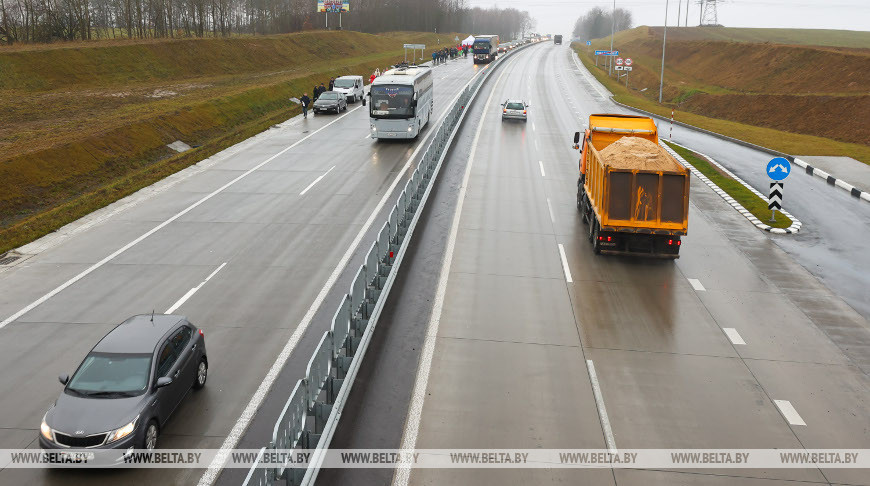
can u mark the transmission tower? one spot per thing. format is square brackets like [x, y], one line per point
[709, 16]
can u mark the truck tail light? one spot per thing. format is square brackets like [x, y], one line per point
[609, 238]
[679, 242]
[670, 242]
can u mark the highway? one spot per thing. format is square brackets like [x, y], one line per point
[497, 343]
[274, 217]
[503, 329]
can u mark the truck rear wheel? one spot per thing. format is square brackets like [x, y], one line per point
[596, 246]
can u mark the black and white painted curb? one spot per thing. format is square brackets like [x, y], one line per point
[831, 180]
[795, 225]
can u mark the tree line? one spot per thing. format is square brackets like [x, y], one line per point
[597, 23]
[31, 21]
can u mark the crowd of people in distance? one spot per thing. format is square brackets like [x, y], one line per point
[443, 55]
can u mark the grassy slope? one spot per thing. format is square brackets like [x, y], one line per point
[809, 37]
[740, 193]
[694, 85]
[100, 151]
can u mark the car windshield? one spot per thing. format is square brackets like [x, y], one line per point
[344, 83]
[107, 374]
[392, 101]
[329, 96]
[515, 105]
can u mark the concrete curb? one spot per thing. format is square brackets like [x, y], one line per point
[831, 180]
[795, 223]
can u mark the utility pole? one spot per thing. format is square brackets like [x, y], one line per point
[664, 41]
[612, 31]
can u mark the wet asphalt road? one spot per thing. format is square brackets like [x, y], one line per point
[509, 364]
[279, 247]
[509, 367]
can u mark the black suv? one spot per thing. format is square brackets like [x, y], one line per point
[126, 388]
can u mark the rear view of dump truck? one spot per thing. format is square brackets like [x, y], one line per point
[633, 195]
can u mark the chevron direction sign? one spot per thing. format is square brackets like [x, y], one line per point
[775, 200]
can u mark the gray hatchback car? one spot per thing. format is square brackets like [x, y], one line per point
[126, 388]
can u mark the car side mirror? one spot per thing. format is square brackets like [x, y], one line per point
[63, 379]
[163, 381]
[576, 138]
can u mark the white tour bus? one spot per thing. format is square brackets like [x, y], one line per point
[401, 102]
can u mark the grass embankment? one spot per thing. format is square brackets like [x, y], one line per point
[88, 125]
[802, 100]
[735, 189]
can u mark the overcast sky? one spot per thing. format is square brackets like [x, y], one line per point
[558, 16]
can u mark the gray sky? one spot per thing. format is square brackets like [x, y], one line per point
[558, 16]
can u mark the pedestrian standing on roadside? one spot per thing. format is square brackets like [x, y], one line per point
[305, 100]
[331, 84]
[434, 58]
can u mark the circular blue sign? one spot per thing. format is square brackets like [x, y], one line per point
[778, 169]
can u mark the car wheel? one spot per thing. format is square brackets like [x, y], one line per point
[149, 442]
[201, 374]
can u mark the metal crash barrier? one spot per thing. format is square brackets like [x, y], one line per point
[310, 416]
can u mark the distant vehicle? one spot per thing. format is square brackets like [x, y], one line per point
[485, 48]
[350, 86]
[634, 195]
[515, 109]
[125, 390]
[330, 101]
[502, 48]
[401, 102]
[557, 39]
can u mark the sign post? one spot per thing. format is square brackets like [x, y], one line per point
[777, 169]
[628, 62]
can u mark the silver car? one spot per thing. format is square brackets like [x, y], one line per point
[515, 109]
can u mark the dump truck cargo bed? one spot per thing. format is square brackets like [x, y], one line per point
[633, 194]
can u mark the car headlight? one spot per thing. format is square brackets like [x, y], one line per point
[46, 430]
[410, 128]
[124, 431]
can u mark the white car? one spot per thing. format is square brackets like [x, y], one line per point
[350, 86]
[515, 109]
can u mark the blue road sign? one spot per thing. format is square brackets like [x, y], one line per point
[778, 169]
[598, 53]
[606, 53]
[588, 43]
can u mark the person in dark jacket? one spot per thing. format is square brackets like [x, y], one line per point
[305, 100]
[331, 84]
[315, 92]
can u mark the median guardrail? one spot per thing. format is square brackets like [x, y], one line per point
[310, 415]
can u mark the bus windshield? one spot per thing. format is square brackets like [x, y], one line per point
[392, 101]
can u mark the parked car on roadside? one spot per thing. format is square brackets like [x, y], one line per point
[350, 86]
[330, 101]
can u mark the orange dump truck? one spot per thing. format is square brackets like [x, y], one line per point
[631, 192]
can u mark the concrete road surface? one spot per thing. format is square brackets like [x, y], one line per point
[493, 345]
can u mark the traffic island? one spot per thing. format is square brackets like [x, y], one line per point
[736, 192]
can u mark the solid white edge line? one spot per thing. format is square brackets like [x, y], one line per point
[696, 284]
[402, 476]
[316, 181]
[565, 264]
[550, 209]
[160, 226]
[733, 335]
[211, 474]
[192, 291]
[788, 411]
[541, 164]
[602, 410]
